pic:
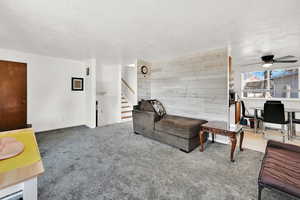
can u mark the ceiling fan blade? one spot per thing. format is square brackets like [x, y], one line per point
[258, 63]
[285, 61]
[285, 57]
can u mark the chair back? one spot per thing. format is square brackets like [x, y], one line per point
[243, 108]
[274, 113]
[278, 102]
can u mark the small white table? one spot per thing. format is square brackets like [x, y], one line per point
[26, 190]
[21, 179]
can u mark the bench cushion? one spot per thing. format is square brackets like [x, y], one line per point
[180, 126]
[281, 170]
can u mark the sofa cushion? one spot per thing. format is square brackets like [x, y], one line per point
[180, 126]
[281, 170]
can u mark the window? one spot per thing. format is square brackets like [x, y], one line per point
[277, 83]
[254, 84]
[284, 83]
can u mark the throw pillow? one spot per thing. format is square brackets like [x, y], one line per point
[158, 107]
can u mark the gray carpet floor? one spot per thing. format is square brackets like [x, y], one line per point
[112, 162]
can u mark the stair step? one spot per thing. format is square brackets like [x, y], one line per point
[125, 107]
[127, 111]
[126, 120]
[126, 117]
[124, 101]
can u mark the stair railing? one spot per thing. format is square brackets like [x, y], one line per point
[128, 86]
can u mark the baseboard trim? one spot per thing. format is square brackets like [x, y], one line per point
[59, 129]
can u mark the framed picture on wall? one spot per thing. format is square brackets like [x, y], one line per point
[77, 84]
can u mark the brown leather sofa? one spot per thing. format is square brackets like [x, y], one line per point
[177, 131]
[280, 169]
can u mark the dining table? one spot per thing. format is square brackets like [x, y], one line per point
[290, 111]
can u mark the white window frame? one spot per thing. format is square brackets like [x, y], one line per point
[268, 95]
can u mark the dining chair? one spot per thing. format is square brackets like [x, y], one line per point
[274, 114]
[260, 117]
[262, 112]
[245, 114]
[255, 117]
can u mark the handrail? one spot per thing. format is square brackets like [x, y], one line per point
[126, 84]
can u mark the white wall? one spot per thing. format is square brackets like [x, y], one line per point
[129, 74]
[109, 94]
[50, 102]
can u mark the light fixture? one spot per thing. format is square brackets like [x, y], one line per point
[131, 65]
[267, 64]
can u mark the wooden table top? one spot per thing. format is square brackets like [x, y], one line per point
[221, 125]
[21, 174]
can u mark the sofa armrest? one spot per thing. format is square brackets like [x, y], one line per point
[280, 145]
[143, 121]
[152, 116]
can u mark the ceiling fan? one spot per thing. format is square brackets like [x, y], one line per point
[268, 60]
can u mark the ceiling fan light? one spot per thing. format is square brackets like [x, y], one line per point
[131, 65]
[267, 65]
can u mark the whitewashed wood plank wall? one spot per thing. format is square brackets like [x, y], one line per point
[192, 86]
[143, 81]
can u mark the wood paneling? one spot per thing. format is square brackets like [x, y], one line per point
[193, 86]
[237, 112]
[143, 81]
[13, 95]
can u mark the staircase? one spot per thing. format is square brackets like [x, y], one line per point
[126, 110]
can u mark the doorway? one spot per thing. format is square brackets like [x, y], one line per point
[13, 95]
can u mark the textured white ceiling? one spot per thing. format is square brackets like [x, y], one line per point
[119, 31]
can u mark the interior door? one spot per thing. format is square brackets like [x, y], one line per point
[13, 95]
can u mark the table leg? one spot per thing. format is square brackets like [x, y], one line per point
[233, 145]
[255, 121]
[290, 130]
[255, 125]
[201, 135]
[213, 137]
[30, 189]
[293, 130]
[241, 141]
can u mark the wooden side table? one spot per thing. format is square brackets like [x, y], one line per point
[221, 128]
